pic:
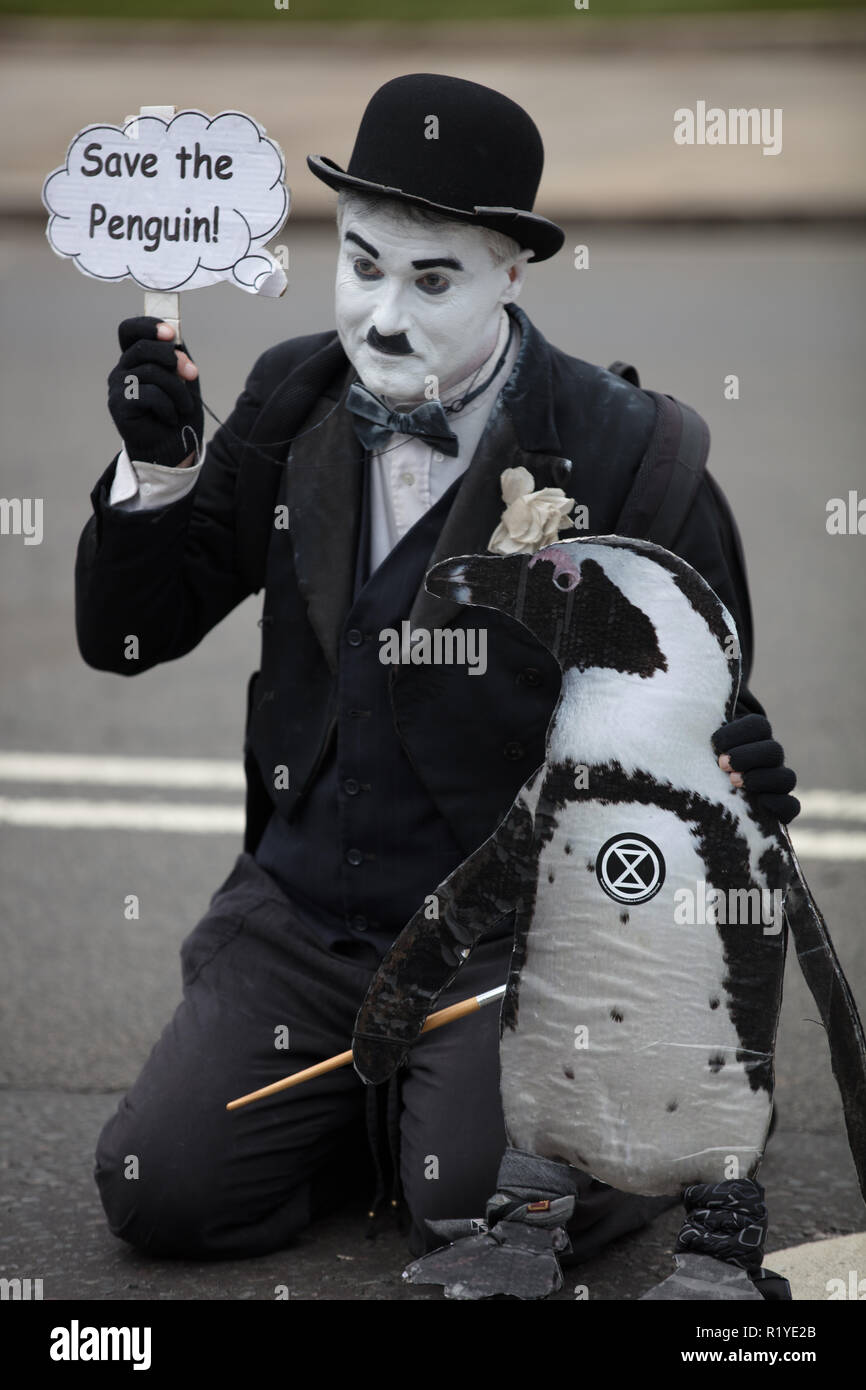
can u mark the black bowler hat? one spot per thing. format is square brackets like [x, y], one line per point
[483, 168]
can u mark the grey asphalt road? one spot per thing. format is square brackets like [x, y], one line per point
[86, 991]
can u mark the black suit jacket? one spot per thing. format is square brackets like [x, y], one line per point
[170, 575]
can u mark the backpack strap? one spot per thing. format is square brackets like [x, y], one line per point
[626, 371]
[669, 474]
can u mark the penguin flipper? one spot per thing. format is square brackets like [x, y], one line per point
[832, 994]
[702, 1277]
[429, 951]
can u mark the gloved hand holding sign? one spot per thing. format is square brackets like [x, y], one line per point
[154, 395]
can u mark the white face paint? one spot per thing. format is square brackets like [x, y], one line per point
[447, 309]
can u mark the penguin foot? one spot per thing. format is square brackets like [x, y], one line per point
[719, 1248]
[514, 1249]
[704, 1277]
[771, 1286]
[512, 1258]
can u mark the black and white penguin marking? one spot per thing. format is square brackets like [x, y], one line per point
[636, 1045]
[639, 1046]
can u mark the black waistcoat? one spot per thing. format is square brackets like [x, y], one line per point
[369, 841]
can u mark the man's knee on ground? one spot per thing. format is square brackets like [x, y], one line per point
[172, 1198]
[158, 1200]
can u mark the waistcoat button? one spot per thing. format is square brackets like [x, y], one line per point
[351, 786]
[355, 856]
[354, 637]
[359, 923]
[529, 676]
[513, 750]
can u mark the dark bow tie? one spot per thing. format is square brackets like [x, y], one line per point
[375, 423]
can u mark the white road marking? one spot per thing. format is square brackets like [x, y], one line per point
[719, 1047]
[66, 768]
[70, 814]
[821, 805]
[224, 774]
[828, 844]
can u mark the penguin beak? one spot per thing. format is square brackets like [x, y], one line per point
[489, 581]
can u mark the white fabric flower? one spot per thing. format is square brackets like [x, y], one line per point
[531, 520]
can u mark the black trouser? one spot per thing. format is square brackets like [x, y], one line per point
[180, 1175]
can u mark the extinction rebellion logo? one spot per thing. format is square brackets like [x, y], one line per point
[630, 868]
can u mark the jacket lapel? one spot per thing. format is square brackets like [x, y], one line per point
[477, 508]
[323, 491]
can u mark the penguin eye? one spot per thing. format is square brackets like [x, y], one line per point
[564, 581]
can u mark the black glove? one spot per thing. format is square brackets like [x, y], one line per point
[166, 421]
[754, 753]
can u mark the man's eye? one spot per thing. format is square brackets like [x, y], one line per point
[365, 269]
[433, 283]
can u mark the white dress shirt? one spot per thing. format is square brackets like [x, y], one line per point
[408, 476]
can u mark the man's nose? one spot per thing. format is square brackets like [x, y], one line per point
[389, 313]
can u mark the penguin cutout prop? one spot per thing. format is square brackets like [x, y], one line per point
[651, 901]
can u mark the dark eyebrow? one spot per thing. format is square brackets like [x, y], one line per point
[364, 245]
[447, 261]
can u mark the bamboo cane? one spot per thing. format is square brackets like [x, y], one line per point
[342, 1059]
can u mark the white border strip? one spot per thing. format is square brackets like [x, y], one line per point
[821, 805]
[122, 815]
[212, 774]
[829, 844]
[63, 813]
[209, 773]
[66, 768]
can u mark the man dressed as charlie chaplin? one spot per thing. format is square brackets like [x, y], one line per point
[383, 446]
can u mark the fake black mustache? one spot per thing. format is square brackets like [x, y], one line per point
[398, 344]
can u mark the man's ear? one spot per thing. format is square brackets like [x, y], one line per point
[516, 273]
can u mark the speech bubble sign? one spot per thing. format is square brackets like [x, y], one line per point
[171, 204]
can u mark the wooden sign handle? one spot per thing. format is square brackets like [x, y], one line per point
[164, 306]
[158, 304]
